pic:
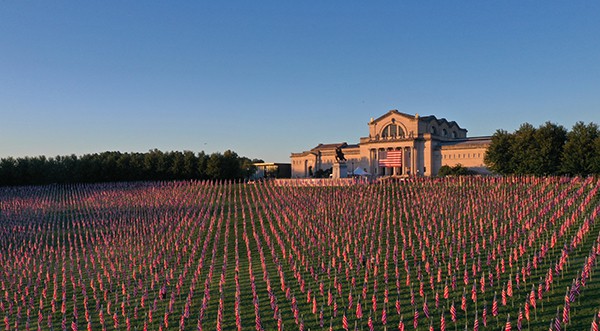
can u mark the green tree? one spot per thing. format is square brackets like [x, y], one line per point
[177, 166]
[117, 166]
[108, 166]
[596, 159]
[214, 168]
[247, 167]
[579, 153]
[231, 165]
[550, 139]
[524, 150]
[202, 165]
[8, 171]
[125, 170]
[190, 165]
[499, 156]
[151, 160]
[457, 170]
[164, 166]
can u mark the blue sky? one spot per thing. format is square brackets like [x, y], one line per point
[267, 78]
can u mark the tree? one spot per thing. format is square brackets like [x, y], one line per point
[117, 166]
[247, 167]
[125, 169]
[524, 150]
[202, 165]
[213, 166]
[190, 165]
[596, 159]
[163, 166]
[579, 152]
[231, 165]
[499, 156]
[108, 166]
[8, 171]
[457, 170]
[177, 165]
[550, 139]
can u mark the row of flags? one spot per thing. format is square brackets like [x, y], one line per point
[165, 249]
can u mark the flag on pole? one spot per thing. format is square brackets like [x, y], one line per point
[416, 319]
[401, 324]
[442, 323]
[390, 159]
[557, 324]
[345, 321]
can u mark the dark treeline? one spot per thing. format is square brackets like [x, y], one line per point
[117, 166]
[547, 150]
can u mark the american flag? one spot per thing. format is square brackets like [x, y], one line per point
[495, 306]
[557, 324]
[391, 159]
[358, 311]
[416, 319]
[442, 323]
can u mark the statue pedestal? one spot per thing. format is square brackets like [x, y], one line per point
[340, 170]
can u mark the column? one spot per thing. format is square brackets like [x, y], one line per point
[398, 169]
[372, 160]
[413, 157]
[407, 161]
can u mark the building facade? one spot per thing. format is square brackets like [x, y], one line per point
[272, 170]
[399, 144]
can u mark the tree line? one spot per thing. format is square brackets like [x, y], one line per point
[547, 150]
[117, 166]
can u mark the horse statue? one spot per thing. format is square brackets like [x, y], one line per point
[339, 155]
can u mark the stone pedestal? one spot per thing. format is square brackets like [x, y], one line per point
[340, 170]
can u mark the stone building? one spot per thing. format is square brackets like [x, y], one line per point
[399, 144]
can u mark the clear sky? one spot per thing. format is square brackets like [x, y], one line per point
[267, 78]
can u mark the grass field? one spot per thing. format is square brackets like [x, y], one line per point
[203, 255]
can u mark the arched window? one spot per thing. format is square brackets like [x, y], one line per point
[444, 133]
[454, 135]
[392, 131]
[433, 130]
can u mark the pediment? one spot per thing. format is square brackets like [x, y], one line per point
[392, 114]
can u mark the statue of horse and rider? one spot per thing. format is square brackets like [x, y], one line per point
[339, 155]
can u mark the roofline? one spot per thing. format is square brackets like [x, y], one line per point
[393, 111]
[442, 120]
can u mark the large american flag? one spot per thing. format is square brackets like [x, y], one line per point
[391, 159]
